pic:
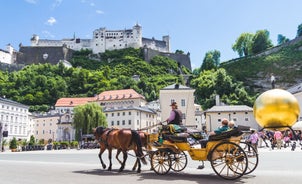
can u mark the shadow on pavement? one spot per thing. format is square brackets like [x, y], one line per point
[172, 176]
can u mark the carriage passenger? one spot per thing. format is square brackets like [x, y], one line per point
[224, 127]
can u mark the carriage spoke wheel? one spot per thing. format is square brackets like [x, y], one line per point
[252, 156]
[179, 161]
[160, 162]
[228, 160]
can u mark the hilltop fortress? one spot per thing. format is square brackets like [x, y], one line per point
[108, 40]
[53, 51]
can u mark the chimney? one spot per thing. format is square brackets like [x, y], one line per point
[217, 99]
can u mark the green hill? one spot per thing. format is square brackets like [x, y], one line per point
[284, 61]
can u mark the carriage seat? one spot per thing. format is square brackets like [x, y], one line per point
[180, 137]
[235, 132]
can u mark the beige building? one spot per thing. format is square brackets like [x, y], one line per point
[240, 114]
[184, 97]
[45, 126]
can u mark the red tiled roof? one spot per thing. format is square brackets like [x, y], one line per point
[119, 94]
[72, 102]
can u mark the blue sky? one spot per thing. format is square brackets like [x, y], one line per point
[195, 26]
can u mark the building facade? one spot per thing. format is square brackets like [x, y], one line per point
[184, 97]
[15, 119]
[46, 126]
[240, 114]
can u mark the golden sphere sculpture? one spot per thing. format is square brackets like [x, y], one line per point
[276, 109]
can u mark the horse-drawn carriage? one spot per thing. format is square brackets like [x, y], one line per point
[230, 158]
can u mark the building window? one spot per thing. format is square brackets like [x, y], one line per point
[137, 122]
[129, 122]
[246, 119]
[172, 100]
[112, 123]
[183, 115]
[112, 114]
[183, 102]
[129, 113]
[124, 113]
[118, 114]
[118, 123]
[123, 122]
[246, 112]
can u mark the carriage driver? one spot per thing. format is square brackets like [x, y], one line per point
[175, 115]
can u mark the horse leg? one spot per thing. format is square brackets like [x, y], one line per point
[134, 167]
[110, 159]
[125, 156]
[117, 154]
[139, 165]
[100, 157]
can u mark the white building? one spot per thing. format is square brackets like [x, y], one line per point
[184, 97]
[7, 56]
[104, 39]
[240, 114]
[15, 119]
[127, 109]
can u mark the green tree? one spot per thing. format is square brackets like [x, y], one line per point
[87, 117]
[261, 41]
[32, 140]
[179, 52]
[282, 39]
[211, 83]
[299, 30]
[243, 44]
[13, 143]
[211, 60]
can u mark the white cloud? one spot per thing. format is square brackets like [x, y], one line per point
[47, 34]
[99, 12]
[51, 21]
[56, 3]
[31, 1]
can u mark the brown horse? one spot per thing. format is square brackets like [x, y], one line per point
[144, 139]
[122, 139]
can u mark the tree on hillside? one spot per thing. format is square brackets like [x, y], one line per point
[211, 83]
[211, 60]
[243, 44]
[86, 117]
[261, 41]
[179, 52]
[299, 31]
[282, 39]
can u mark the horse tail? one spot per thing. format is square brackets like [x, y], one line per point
[137, 139]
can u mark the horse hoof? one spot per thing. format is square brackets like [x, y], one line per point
[139, 171]
[104, 166]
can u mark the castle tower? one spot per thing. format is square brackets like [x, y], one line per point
[34, 40]
[98, 43]
[137, 35]
[167, 40]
